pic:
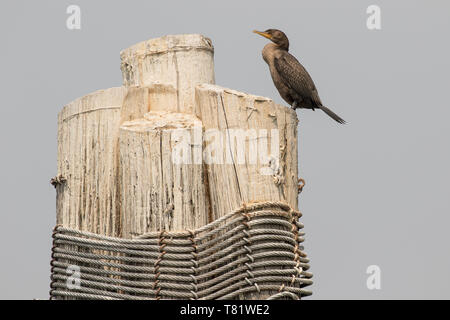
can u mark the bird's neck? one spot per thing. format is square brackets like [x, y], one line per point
[274, 46]
[283, 46]
[270, 51]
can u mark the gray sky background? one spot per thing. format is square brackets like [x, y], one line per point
[377, 189]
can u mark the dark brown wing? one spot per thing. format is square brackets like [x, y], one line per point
[296, 77]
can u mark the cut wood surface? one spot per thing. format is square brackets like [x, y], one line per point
[265, 132]
[161, 174]
[155, 97]
[182, 61]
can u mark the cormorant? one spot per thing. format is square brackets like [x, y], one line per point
[293, 82]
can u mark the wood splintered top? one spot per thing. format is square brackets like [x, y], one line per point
[158, 120]
[111, 98]
[219, 89]
[168, 43]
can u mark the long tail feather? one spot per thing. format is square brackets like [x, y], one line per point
[333, 115]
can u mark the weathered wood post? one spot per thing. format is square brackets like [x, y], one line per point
[258, 160]
[183, 61]
[159, 75]
[174, 193]
[161, 174]
[170, 150]
[88, 131]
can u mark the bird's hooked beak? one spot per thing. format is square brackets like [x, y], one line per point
[264, 34]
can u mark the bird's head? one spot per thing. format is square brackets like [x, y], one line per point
[276, 36]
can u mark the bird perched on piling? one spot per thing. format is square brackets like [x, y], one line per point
[293, 82]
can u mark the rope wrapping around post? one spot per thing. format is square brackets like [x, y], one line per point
[228, 258]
